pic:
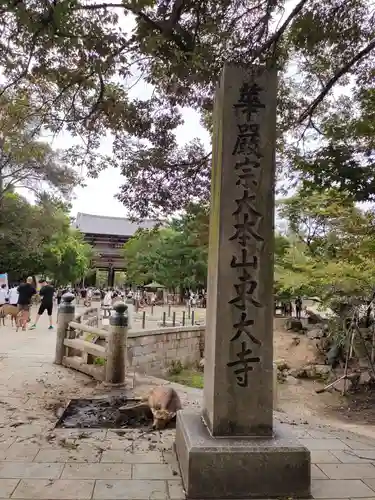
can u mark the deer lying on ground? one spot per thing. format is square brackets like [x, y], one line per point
[164, 403]
[13, 312]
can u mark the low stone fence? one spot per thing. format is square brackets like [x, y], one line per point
[152, 351]
[105, 353]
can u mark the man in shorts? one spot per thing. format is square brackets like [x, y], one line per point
[46, 293]
[26, 291]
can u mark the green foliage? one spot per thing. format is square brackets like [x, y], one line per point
[312, 218]
[26, 161]
[19, 237]
[100, 361]
[188, 377]
[194, 223]
[331, 253]
[38, 239]
[179, 47]
[282, 244]
[67, 257]
[175, 367]
[174, 255]
[138, 253]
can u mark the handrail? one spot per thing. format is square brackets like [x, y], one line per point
[112, 354]
[88, 329]
[87, 347]
[87, 315]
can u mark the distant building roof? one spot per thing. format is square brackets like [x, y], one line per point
[114, 226]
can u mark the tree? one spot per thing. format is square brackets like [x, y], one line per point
[26, 161]
[194, 223]
[282, 244]
[164, 255]
[175, 255]
[179, 262]
[38, 239]
[331, 252]
[333, 281]
[67, 258]
[138, 253]
[179, 47]
[20, 245]
[311, 218]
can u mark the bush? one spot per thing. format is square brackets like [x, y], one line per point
[99, 361]
[175, 368]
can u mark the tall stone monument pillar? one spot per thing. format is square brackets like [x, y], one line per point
[231, 449]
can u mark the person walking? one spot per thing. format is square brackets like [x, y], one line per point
[83, 296]
[59, 294]
[13, 295]
[298, 305]
[26, 291]
[46, 293]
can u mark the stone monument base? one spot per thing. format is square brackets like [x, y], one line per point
[223, 468]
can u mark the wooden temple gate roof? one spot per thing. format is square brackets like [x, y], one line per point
[111, 226]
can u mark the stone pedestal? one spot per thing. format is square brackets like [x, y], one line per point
[231, 449]
[223, 468]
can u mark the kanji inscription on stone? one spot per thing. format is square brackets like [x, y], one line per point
[243, 365]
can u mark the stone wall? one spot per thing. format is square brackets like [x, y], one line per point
[152, 351]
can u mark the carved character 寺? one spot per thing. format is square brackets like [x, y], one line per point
[245, 359]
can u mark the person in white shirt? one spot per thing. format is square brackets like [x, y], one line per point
[13, 296]
[3, 294]
[107, 301]
[193, 299]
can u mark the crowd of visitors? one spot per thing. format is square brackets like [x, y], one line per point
[22, 295]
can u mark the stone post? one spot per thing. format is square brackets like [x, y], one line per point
[118, 331]
[231, 449]
[66, 315]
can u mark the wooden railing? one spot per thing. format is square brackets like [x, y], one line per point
[89, 349]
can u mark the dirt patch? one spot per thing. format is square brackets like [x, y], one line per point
[108, 413]
[298, 397]
[356, 408]
[296, 349]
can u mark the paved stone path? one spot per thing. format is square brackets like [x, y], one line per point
[40, 462]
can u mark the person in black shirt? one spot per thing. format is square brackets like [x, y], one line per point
[25, 293]
[298, 304]
[46, 292]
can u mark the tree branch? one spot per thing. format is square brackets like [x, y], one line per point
[25, 70]
[331, 83]
[279, 33]
[176, 13]
[178, 40]
[97, 6]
